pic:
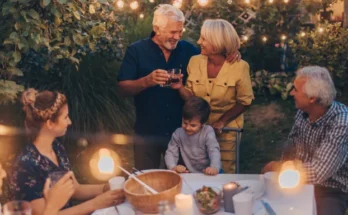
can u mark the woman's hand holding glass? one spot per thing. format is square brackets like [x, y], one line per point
[54, 196]
[108, 199]
[177, 85]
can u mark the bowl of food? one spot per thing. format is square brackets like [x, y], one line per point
[208, 199]
[167, 183]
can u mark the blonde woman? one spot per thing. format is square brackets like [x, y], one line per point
[226, 87]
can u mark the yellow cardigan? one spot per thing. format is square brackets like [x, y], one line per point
[232, 85]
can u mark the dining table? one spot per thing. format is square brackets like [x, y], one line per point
[299, 202]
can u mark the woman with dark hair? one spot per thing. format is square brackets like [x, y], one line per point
[47, 117]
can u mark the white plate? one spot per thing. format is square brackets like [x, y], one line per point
[124, 210]
[256, 188]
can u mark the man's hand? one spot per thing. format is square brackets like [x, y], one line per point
[210, 171]
[273, 166]
[157, 77]
[234, 57]
[180, 169]
[218, 125]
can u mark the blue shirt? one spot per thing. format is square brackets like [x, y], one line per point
[158, 109]
[31, 169]
[322, 146]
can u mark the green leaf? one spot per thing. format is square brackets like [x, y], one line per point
[55, 12]
[57, 21]
[46, 2]
[77, 15]
[74, 60]
[24, 14]
[34, 14]
[17, 26]
[91, 9]
[7, 41]
[23, 44]
[17, 56]
[14, 71]
[67, 41]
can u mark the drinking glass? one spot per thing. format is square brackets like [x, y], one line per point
[56, 176]
[17, 208]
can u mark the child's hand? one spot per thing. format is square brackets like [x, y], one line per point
[210, 171]
[180, 169]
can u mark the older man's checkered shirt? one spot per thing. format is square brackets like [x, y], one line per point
[323, 146]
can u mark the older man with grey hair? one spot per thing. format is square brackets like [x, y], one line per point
[143, 71]
[318, 141]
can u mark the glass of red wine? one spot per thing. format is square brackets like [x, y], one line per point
[175, 74]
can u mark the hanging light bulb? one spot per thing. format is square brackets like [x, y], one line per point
[245, 38]
[229, 1]
[264, 39]
[120, 4]
[303, 34]
[177, 3]
[203, 2]
[141, 16]
[151, 1]
[321, 30]
[270, 1]
[134, 5]
[286, 1]
[283, 37]
[184, 29]
[247, 1]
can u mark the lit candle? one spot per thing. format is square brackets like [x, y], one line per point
[184, 204]
[229, 190]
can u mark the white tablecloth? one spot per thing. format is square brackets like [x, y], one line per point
[299, 203]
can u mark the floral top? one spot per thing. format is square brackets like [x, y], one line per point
[31, 169]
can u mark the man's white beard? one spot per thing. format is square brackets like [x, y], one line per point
[169, 46]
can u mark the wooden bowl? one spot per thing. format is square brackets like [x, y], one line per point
[167, 183]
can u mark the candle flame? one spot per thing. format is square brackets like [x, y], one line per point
[106, 165]
[289, 179]
[103, 164]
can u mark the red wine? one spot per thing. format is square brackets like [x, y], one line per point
[174, 80]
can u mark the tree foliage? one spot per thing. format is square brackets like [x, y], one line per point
[328, 48]
[53, 36]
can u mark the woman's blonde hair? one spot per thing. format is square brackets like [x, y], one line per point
[222, 35]
[40, 107]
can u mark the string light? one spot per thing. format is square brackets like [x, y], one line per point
[283, 37]
[270, 1]
[303, 34]
[177, 3]
[286, 1]
[247, 1]
[264, 39]
[120, 4]
[203, 2]
[151, 1]
[141, 16]
[321, 30]
[184, 29]
[134, 5]
[229, 1]
[245, 38]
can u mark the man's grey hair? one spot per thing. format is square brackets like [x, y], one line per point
[319, 84]
[164, 12]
